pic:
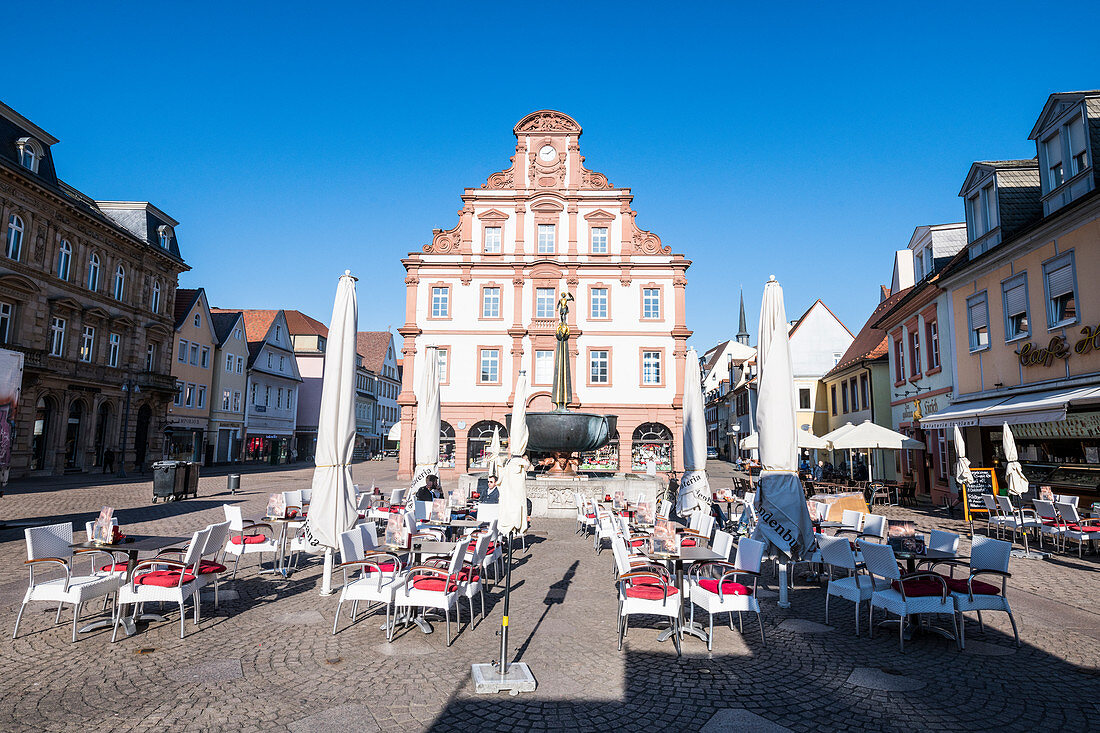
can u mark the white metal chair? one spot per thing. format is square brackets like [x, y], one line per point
[379, 576]
[874, 527]
[714, 586]
[649, 590]
[723, 543]
[908, 594]
[1052, 525]
[1017, 519]
[605, 529]
[51, 546]
[836, 552]
[994, 518]
[162, 579]
[470, 577]
[245, 538]
[427, 586]
[1081, 530]
[987, 557]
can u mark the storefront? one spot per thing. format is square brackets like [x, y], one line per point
[227, 446]
[273, 449]
[184, 439]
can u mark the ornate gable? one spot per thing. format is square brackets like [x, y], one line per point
[547, 120]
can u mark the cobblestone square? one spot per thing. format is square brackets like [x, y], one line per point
[267, 659]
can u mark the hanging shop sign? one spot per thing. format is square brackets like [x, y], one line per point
[1058, 348]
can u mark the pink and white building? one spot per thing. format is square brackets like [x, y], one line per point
[485, 293]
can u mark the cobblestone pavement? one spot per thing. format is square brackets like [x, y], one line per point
[268, 661]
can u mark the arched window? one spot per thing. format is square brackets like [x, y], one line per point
[651, 441]
[120, 282]
[64, 258]
[478, 441]
[155, 302]
[15, 236]
[446, 445]
[30, 153]
[164, 236]
[93, 272]
[603, 460]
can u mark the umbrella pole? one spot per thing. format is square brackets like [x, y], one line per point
[513, 678]
[326, 579]
[504, 621]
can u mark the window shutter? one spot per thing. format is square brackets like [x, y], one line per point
[979, 315]
[1016, 299]
[1060, 280]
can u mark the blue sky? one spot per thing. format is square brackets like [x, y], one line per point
[292, 141]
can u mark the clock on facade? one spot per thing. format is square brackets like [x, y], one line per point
[548, 153]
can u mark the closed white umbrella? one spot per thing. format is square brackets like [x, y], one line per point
[332, 507]
[427, 421]
[784, 520]
[805, 440]
[694, 493]
[1014, 474]
[963, 477]
[496, 457]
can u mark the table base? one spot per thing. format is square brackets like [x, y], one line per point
[404, 620]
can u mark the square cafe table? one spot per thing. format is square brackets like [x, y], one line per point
[688, 555]
[132, 546]
[418, 550]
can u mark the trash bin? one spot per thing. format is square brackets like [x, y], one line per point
[233, 483]
[190, 485]
[168, 478]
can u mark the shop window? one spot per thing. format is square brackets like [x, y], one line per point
[651, 442]
[605, 459]
[479, 440]
[446, 445]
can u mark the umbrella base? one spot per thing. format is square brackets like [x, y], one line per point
[1029, 555]
[489, 680]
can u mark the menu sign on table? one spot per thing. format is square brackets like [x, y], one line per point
[618, 501]
[397, 532]
[645, 512]
[665, 540]
[276, 506]
[811, 506]
[103, 528]
[458, 498]
[901, 534]
[440, 512]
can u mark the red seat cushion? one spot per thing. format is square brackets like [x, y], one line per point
[164, 578]
[919, 587]
[958, 585]
[687, 542]
[488, 550]
[637, 543]
[649, 592]
[118, 567]
[249, 539]
[433, 583]
[385, 567]
[729, 588]
[590, 516]
[1053, 523]
[209, 566]
[466, 575]
[1086, 528]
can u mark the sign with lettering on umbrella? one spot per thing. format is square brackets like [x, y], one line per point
[426, 445]
[694, 493]
[332, 508]
[783, 519]
[512, 521]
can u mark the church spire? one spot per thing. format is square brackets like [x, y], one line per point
[742, 326]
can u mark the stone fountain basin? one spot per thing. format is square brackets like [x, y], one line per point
[565, 432]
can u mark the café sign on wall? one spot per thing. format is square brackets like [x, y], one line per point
[1058, 348]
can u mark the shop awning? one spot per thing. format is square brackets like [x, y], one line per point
[1036, 407]
[395, 432]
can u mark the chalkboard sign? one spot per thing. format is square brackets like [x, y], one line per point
[985, 482]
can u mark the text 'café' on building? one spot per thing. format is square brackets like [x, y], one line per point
[485, 293]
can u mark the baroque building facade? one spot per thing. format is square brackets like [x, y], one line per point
[485, 293]
[87, 292]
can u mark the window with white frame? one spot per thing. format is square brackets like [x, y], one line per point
[181, 357]
[914, 353]
[267, 395]
[899, 361]
[154, 303]
[492, 240]
[113, 342]
[490, 366]
[981, 212]
[6, 311]
[544, 367]
[198, 320]
[240, 365]
[151, 357]
[1078, 152]
[64, 259]
[977, 316]
[236, 400]
[544, 302]
[599, 367]
[290, 399]
[598, 306]
[442, 363]
[228, 363]
[599, 240]
[1052, 154]
[490, 303]
[189, 395]
[180, 386]
[441, 302]
[282, 364]
[270, 360]
[227, 395]
[237, 334]
[932, 336]
[804, 398]
[15, 237]
[164, 236]
[651, 367]
[547, 235]
[279, 398]
[194, 355]
[120, 282]
[205, 359]
[57, 337]
[1014, 298]
[30, 153]
[1060, 278]
[200, 397]
[93, 272]
[651, 303]
[87, 343]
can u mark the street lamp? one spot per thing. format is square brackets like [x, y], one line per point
[130, 386]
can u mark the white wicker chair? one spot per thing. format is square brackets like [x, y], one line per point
[163, 579]
[245, 539]
[987, 557]
[50, 547]
[836, 552]
[714, 586]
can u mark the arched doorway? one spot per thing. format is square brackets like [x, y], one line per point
[73, 431]
[478, 441]
[141, 436]
[651, 441]
[102, 431]
[40, 437]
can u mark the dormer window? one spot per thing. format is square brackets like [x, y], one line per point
[164, 236]
[30, 153]
[981, 212]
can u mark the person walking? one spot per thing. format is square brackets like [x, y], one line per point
[108, 461]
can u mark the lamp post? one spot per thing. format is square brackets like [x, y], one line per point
[130, 386]
[732, 433]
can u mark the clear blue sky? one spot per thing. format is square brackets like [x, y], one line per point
[293, 141]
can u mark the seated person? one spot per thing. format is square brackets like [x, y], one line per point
[430, 490]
